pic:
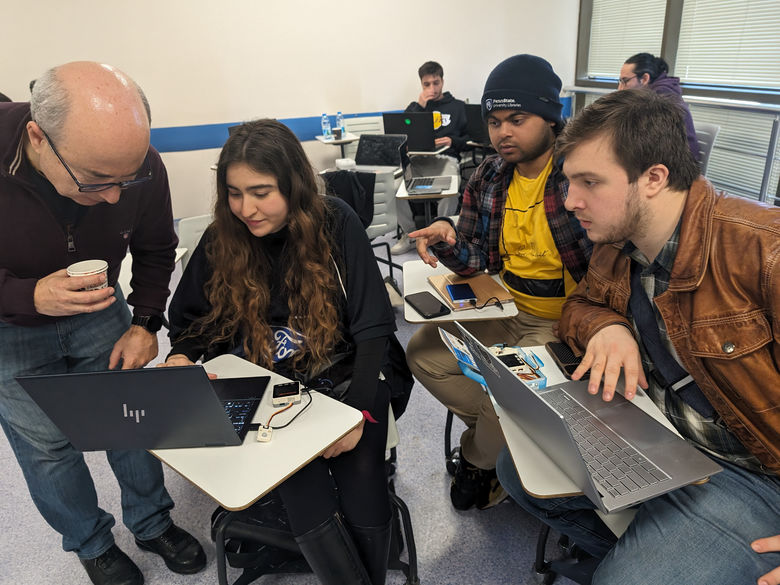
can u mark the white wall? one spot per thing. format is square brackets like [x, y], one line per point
[204, 62]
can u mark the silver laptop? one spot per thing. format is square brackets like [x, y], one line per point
[149, 408]
[425, 177]
[618, 455]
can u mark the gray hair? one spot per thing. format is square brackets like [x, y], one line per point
[50, 103]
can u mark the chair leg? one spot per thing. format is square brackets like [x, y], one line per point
[451, 456]
[399, 505]
[541, 566]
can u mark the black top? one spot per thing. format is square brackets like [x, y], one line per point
[365, 313]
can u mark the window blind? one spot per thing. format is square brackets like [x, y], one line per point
[730, 43]
[621, 28]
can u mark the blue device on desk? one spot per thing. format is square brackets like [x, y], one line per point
[461, 294]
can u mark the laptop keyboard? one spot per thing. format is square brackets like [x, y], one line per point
[616, 467]
[240, 413]
[423, 182]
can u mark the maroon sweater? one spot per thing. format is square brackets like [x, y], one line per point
[34, 242]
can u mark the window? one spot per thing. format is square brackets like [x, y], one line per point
[733, 43]
[621, 28]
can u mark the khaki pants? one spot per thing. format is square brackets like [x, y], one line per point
[437, 369]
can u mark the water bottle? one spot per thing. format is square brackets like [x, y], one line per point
[340, 123]
[325, 125]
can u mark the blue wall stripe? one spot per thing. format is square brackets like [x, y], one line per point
[204, 136]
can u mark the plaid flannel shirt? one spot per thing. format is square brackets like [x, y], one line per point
[482, 217]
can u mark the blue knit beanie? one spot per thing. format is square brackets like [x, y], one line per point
[524, 82]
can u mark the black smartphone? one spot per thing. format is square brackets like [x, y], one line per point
[285, 393]
[564, 357]
[461, 294]
[427, 305]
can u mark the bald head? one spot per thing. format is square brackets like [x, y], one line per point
[93, 93]
[98, 118]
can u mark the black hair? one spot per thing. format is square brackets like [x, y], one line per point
[430, 68]
[647, 63]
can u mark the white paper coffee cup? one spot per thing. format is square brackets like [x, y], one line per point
[89, 268]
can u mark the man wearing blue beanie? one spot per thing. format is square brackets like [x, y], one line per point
[512, 222]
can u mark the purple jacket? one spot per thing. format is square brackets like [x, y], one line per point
[670, 86]
[33, 243]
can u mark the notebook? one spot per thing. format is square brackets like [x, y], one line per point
[418, 128]
[149, 408]
[484, 286]
[618, 455]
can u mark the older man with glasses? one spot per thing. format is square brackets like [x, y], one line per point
[100, 190]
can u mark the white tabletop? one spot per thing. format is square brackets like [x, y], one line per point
[238, 476]
[416, 273]
[346, 138]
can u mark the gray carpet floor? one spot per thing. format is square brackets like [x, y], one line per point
[494, 546]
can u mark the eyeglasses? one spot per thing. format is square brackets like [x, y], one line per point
[625, 80]
[94, 187]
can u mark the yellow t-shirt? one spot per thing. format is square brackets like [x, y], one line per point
[533, 271]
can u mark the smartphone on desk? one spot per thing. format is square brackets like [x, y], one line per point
[427, 305]
[564, 358]
[461, 294]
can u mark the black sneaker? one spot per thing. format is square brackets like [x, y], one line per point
[113, 567]
[465, 485]
[489, 492]
[178, 548]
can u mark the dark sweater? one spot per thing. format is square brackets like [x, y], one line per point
[366, 318]
[37, 238]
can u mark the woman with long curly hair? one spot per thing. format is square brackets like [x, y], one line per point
[286, 278]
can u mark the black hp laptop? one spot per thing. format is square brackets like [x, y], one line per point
[149, 408]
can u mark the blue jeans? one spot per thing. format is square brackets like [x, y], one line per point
[56, 473]
[698, 534]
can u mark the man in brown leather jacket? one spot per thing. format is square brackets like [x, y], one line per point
[707, 267]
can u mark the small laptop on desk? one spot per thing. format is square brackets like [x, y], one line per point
[149, 408]
[617, 454]
[418, 128]
[424, 185]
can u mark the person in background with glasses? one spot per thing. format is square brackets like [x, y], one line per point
[79, 181]
[648, 71]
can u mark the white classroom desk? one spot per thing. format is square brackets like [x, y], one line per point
[428, 199]
[416, 273]
[539, 475]
[346, 138]
[238, 476]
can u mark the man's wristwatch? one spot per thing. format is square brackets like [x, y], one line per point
[152, 323]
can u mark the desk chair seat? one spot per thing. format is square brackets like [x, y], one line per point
[261, 543]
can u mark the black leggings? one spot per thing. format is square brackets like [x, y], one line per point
[354, 482]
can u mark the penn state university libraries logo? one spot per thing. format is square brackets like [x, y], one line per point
[133, 414]
[488, 104]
